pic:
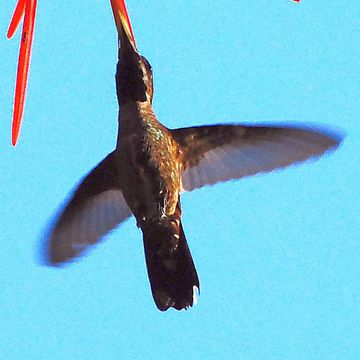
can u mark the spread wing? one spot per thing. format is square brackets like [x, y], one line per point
[95, 208]
[222, 152]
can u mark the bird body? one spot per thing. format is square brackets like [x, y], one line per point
[149, 162]
[150, 168]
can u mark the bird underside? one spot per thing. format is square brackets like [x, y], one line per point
[151, 186]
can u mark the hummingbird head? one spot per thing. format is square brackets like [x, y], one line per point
[134, 81]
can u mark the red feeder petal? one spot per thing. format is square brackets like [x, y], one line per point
[24, 59]
[120, 14]
[17, 16]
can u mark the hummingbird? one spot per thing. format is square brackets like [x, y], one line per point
[153, 165]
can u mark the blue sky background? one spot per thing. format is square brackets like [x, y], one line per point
[278, 255]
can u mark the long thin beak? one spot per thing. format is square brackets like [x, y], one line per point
[122, 21]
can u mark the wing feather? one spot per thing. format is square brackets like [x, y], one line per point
[212, 154]
[96, 207]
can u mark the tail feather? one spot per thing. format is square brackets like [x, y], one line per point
[171, 269]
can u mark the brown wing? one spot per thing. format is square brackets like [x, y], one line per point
[95, 208]
[222, 152]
